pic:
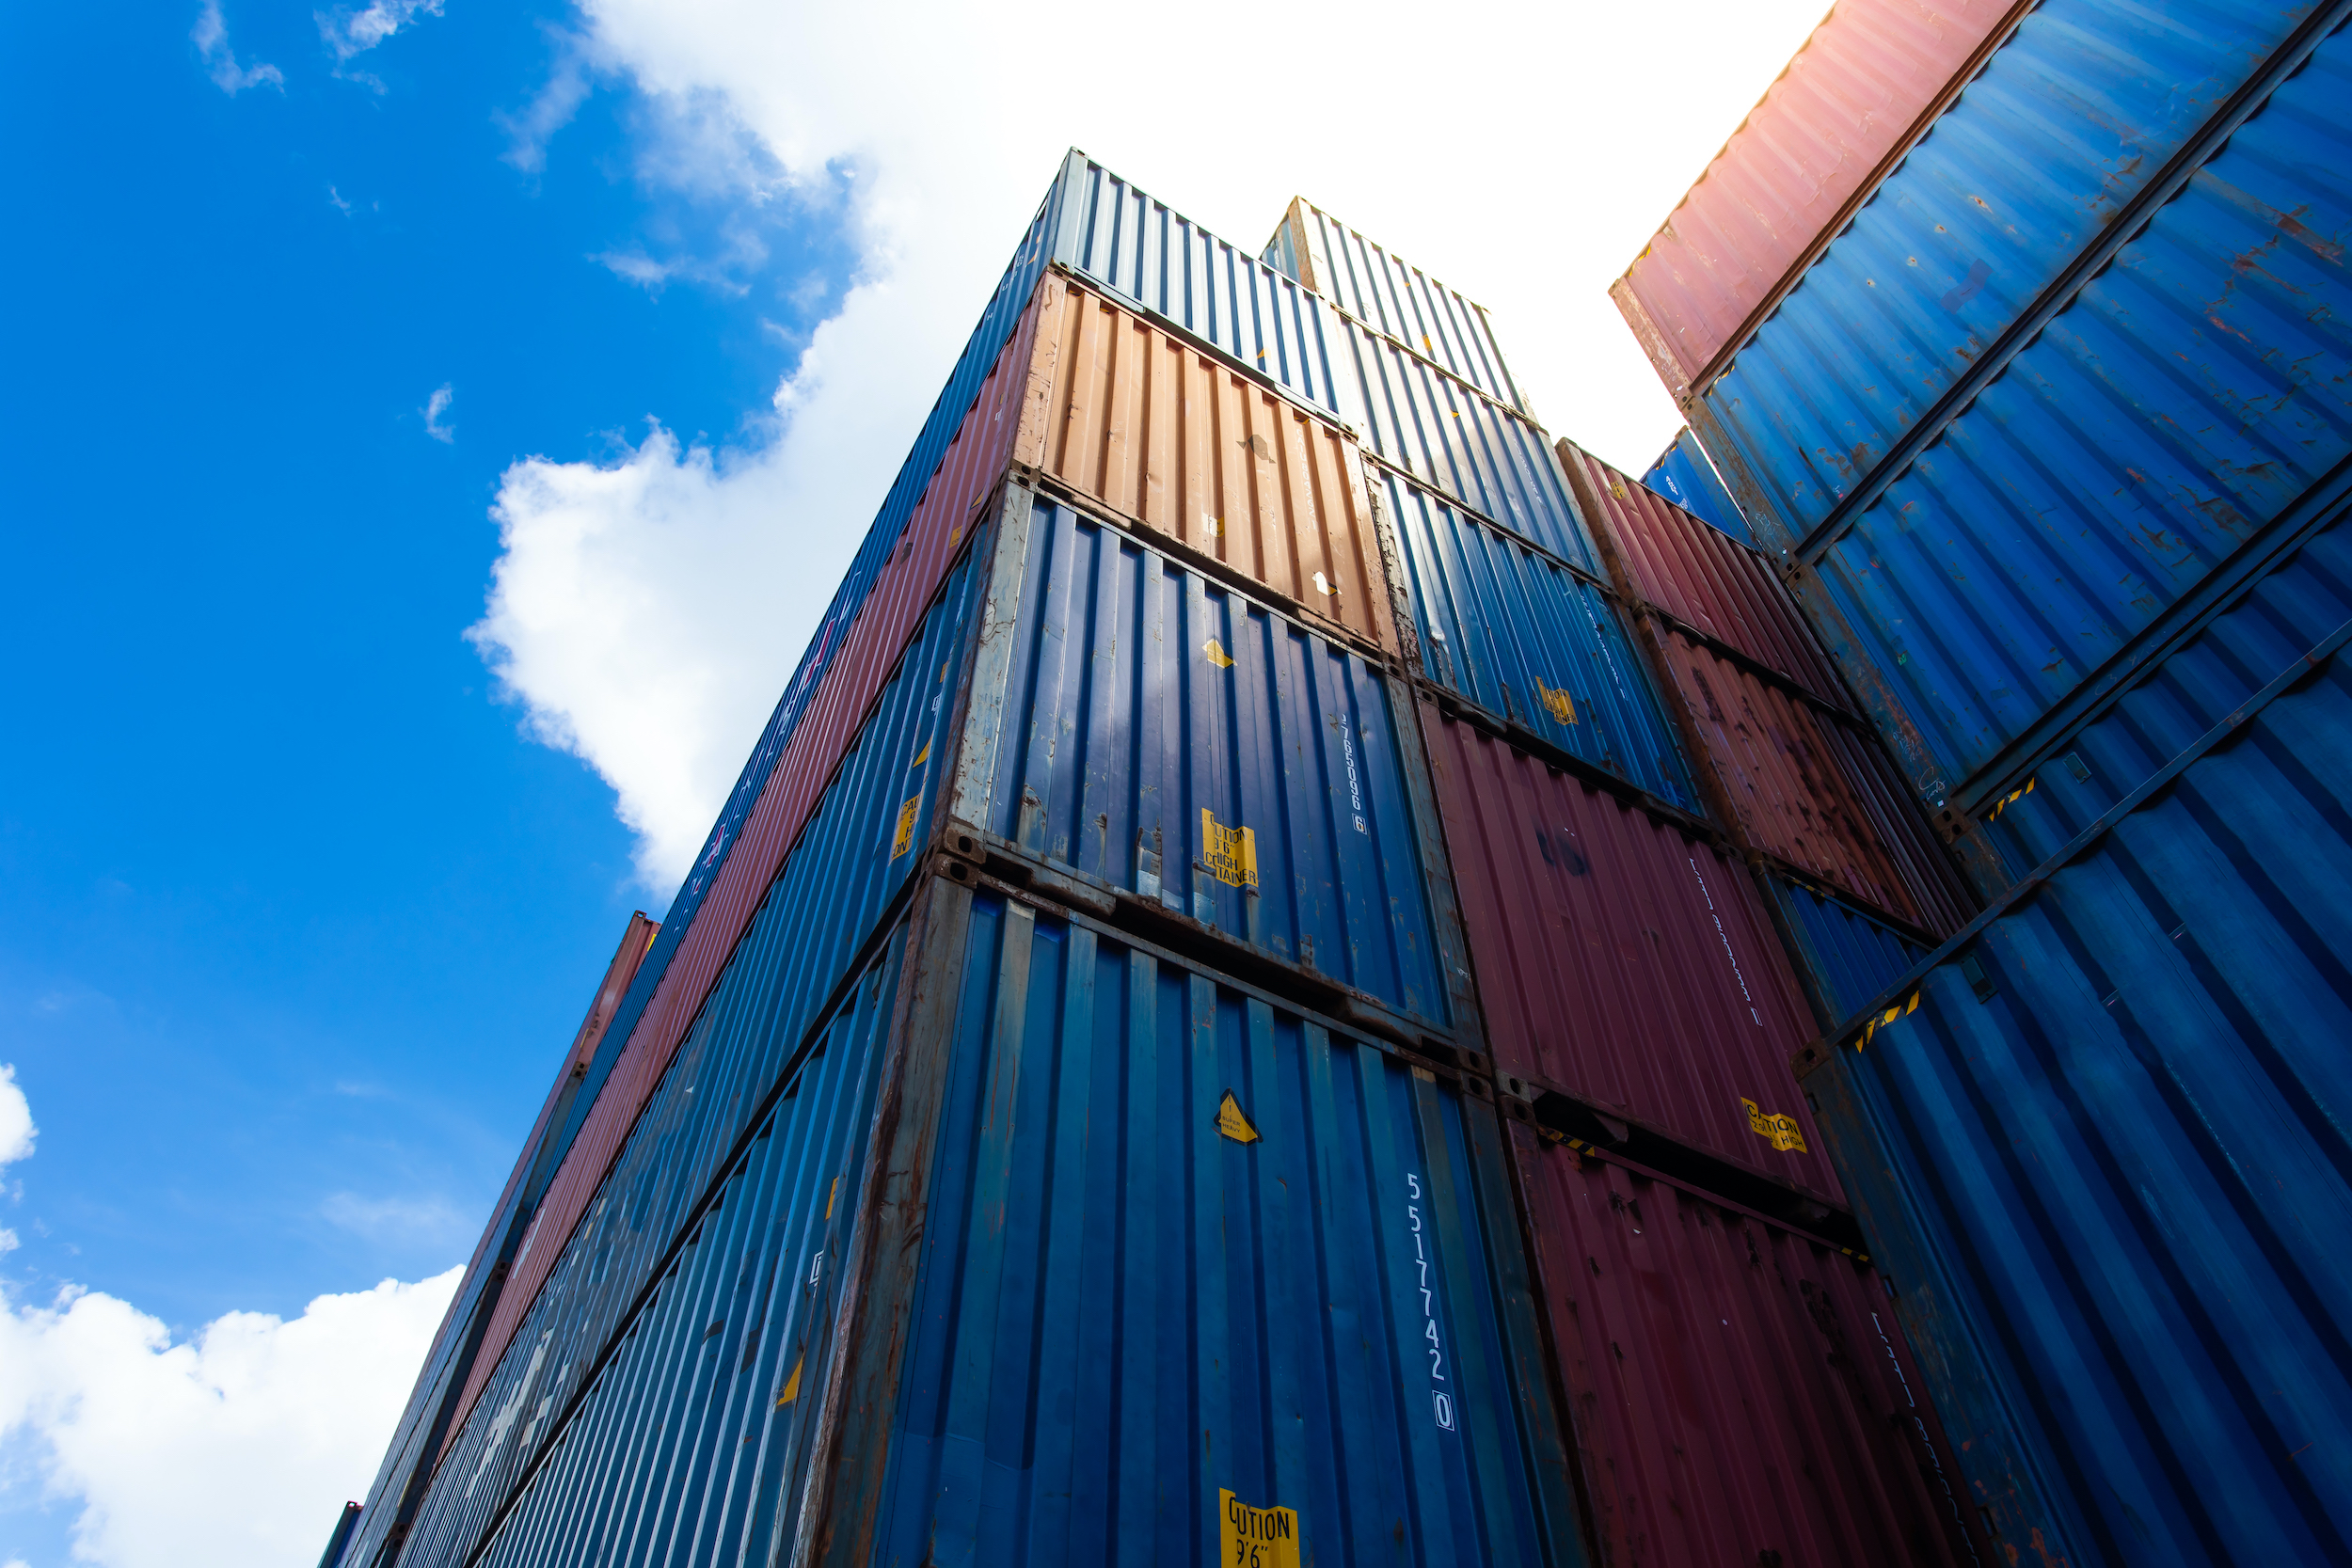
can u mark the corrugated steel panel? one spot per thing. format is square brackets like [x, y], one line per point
[2098, 1145]
[1140, 248]
[2074, 117]
[1846, 957]
[1451, 437]
[1684, 476]
[1621, 959]
[1162, 735]
[1851, 101]
[1535, 645]
[1802, 786]
[1180, 442]
[2217, 664]
[1181, 1243]
[1694, 573]
[1738, 1393]
[1394, 298]
[838, 818]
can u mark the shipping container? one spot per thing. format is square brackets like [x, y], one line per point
[1451, 437]
[1722, 590]
[1809, 788]
[1394, 298]
[1738, 1392]
[1684, 476]
[1844, 955]
[1146, 253]
[2097, 1144]
[1541, 648]
[1623, 963]
[1180, 441]
[1842, 113]
[336, 1543]
[2119, 359]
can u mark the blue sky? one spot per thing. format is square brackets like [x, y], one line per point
[303, 889]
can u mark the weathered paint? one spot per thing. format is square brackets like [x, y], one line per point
[1844, 109]
[1684, 476]
[1809, 788]
[2097, 1143]
[1394, 298]
[1542, 649]
[1452, 438]
[1738, 1392]
[1716, 587]
[1844, 956]
[1180, 1240]
[1171, 740]
[1621, 959]
[1181, 443]
[1147, 252]
[2120, 358]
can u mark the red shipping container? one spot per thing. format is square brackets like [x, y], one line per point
[1702, 577]
[1738, 1393]
[1624, 961]
[1837, 120]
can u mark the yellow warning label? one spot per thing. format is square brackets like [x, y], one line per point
[1898, 1010]
[922, 756]
[1562, 706]
[791, 1384]
[1229, 855]
[906, 826]
[1256, 1537]
[1232, 1122]
[1781, 1129]
[1217, 655]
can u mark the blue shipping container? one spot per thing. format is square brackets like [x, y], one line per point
[1844, 956]
[2097, 1144]
[1535, 644]
[1684, 476]
[2122, 354]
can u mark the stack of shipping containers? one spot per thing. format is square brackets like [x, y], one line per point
[2019, 337]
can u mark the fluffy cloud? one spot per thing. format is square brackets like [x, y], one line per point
[435, 406]
[211, 37]
[232, 1447]
[1524, 154]
[348, 32]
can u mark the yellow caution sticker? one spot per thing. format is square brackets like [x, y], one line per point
[1782, 1131]
[1232, 1122]
[1217, 655]
[1229, 855]
[906, 826]
[922, 756]
[791, 1384]
[1562, 706]
[1898, 1010]
[1256, 1537]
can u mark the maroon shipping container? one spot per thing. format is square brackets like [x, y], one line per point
[1841, 114]
[1700, 576]
[1807, 788]
[1624, 961]
[1739, 1393]
[967, 475]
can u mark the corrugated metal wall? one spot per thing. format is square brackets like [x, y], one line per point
[1845, 956]
[1181, 442]
[2099, 1147]
[1183, 1240]
[1624, 960]
[1739, 1393]
[1164, 736]
[1684, 476]
[1538, 646]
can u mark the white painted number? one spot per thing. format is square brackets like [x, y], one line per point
[1441, 1402]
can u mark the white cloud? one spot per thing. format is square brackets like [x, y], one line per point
[211, 37]
[234, 1446]
[348, 32]
[647, 609]
[435, 406]
[551, 108]
[405, 1220]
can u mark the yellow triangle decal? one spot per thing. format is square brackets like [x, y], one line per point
[791, 1384]
[922, 756]
[1231, 1121]
[1216, 654]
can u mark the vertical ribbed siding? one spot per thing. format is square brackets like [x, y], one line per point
[1847, 956]
[1538, 647]
[1739, 1393]
[1684, 476]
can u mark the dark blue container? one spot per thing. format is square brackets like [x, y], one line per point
[1844, 956]
[1683, 475]
[1540, 648]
